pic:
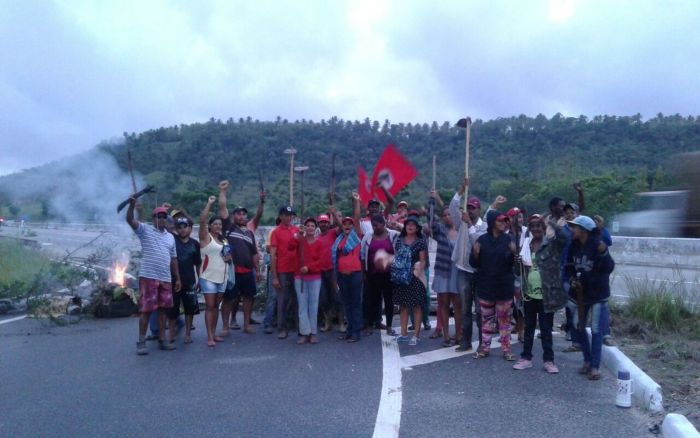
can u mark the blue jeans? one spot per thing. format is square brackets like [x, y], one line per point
[350, 286]
[270, 304]
[600, 320]
[307, 299]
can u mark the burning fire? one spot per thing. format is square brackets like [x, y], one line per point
[117, 274]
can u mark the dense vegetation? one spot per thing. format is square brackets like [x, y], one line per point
[527, 159]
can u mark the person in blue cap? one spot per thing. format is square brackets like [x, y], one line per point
[589, 266]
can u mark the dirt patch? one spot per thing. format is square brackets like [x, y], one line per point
[671, 358]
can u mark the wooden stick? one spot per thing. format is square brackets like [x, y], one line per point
[466, 160]
[433, 172]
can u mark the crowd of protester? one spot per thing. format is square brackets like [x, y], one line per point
[511, 270]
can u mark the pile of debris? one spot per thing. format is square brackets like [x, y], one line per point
[112, 300]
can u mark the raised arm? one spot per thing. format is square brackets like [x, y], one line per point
[223, 187]
[203, 225]
[133, 223]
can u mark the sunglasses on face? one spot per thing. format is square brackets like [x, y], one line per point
[162, 216]
[183, 225]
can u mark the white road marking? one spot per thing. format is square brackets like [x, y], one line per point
[5, 321]
[389, 412]
[388, 420]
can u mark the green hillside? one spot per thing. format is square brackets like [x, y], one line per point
[528, 160]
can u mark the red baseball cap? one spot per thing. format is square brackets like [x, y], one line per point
[474, 202]
[158, 210]
[513, 212]
[323, 217]
[502, 217]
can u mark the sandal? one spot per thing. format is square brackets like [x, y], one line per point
[446, 343]
[585, 369]
[510, 357]
[436, 334]
[594, 374]
[480, 354]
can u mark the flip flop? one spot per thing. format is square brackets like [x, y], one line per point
[480, 355]
[594, 374]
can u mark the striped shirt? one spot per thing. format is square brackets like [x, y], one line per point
[158, 249]
[443, 256]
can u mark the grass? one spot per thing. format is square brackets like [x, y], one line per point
[20, 269]
[670, 305]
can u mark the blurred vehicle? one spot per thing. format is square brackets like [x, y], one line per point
[671, 213]
[657, 214]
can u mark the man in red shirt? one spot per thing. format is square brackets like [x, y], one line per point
[283, 265]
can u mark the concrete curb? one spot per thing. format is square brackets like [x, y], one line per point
[645, 391]
[677, 426]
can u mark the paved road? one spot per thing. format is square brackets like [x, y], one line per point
[85, 379]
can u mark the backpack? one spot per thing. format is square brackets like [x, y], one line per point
[402, 266]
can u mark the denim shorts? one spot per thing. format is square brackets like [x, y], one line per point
[208, 287]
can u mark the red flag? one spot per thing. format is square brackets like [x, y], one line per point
[363, 187]
[393, 171]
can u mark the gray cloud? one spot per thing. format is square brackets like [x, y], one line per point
[79, 72]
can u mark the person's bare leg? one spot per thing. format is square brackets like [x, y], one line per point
[417, 317]
[457, 305]
[444, 315]
[188, 328]
[403, 315]
[209, 315]
[226, 307]
[161, 325]
[247, 313]
[144, 317]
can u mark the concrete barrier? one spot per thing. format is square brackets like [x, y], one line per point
[677, 426]
[651, 261]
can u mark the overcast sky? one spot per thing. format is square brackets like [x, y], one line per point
[74, 73]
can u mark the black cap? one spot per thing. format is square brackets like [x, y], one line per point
[239, 209]
[373, 201]
[287, 210]
[412, 218]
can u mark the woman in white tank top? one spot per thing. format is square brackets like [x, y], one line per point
[212, 279]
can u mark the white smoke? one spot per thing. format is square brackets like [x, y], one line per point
[85, 188]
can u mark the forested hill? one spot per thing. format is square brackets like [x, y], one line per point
[528, 160]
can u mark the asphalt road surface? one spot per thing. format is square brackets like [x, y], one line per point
[85, 379]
